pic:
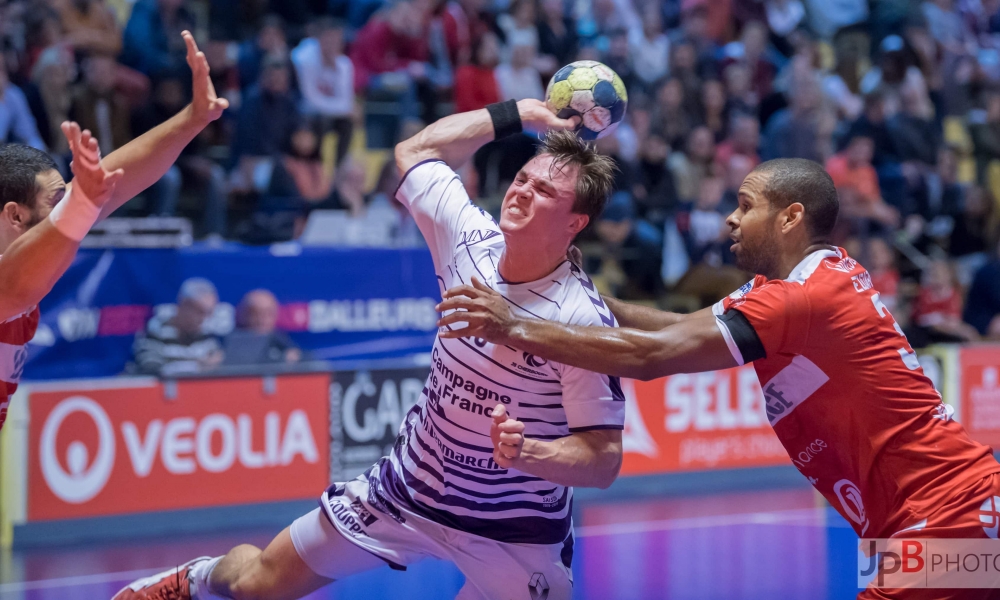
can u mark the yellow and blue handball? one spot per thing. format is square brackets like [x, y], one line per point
[592, 91]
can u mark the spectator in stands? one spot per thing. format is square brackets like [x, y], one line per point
[650, 49]
[90, 26]
[192, 169]
[881, 264]
[475, 83]
[655, 193]
[556, 33]
[986, 138]
[792, 132]
[152, 41]
[257, 339]
[49, 96]
[517, 77]
[916, 133]
[177, 342]
[937, 310]
[17, 124]
[300, 173]
[463, 24]
[670, 117]
[974, 233]
[744, 139]
[857, 184]
[982, 306]
[740, 96]
[713, 108]
[390, 58]
[691, 167]
[618, 56]
[326, 81]
[264, 125]
[269, 41]
[99, 108]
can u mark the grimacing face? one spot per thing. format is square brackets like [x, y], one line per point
[754, 228]
[51, 189]
[540, 200]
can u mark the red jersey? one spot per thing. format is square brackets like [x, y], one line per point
[15, 333]
[848, 399]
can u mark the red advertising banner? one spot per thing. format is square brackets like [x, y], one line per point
[697, 422]
[980, 392]
[131, 449]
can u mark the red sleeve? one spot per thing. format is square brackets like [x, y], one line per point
[778, 312]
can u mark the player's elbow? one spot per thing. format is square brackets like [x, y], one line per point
[613, 466]
[409, 152]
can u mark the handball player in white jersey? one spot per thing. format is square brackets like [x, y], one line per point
[482, 472]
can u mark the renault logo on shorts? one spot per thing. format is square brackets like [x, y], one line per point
[85, 478]
[989, 517]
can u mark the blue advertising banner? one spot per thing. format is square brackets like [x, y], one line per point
[336, 303]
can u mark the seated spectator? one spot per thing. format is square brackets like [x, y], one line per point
[618, 56]
[744, 138]
[655, 194]
[90, 26]
[264, 125]
[740, 95]
[982, 306]
[475, 83]
[857, 185]
[556, 33]
[300, 173]
[881, 265]
[326, 82]
[713, 108]
[793, 132]
[257, 340]
[736, 170]
[269, 41]
[390, 58]
[152, 41]
[937, 311]
[17, 124]
[519, 23]
[670, 117]
[974, 234]
[751, 51]
[517, 78]
[916, 134]
[176, 343]
[49, 95]
[650, 49]
[99, 108]
[693, 165]
[985, 133]
[463, 23]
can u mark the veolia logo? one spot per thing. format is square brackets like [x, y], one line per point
[86, 477]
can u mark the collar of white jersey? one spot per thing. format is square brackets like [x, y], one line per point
[810, 263]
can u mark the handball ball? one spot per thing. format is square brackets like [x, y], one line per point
[592, 91]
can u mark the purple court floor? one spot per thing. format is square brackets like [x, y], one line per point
[772, 545]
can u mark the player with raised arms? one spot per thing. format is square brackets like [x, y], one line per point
[448, 489]
[837, 373]
[43, 220]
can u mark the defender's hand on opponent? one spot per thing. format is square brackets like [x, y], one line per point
[483, 310]
[206, 106]
[537, 118]
[89, 175]
[507, 435]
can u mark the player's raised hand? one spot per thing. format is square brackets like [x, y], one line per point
[507, 435]
[207, 106]
[484, 311]
[537, 118]
[89, 174]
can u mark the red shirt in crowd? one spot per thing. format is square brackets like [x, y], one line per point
[475, 87]
[933, 308]
[378, 49]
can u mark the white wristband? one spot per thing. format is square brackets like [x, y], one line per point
[74, 215]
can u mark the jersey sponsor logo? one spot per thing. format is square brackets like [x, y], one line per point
[862, 281]
[943, 412]
[85, 477]
[534, 361]
[808, 453]
[850, 500]
[457, 456]
[363, 513]
[742, 291]
[12, 359]
[845, 265]
[538, 587]
[792, 386]
[449, 387]
[989, 516]
[351, 521]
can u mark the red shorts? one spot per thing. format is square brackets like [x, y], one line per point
[959, 518]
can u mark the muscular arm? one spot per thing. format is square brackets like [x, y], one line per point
[690, 345]
[647, 318]
[585, 459]
[454, 139]
[146, 158]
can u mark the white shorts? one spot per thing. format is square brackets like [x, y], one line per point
[352, 537]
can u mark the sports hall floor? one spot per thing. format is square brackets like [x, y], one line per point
[774, 545]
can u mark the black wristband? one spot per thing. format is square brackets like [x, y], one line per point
[506, 119]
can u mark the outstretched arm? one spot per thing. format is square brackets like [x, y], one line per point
[688, 346]
[146, 158]
[454, 139]
[33, 263]
[647, 318]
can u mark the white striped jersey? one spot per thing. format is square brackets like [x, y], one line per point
[15, 333]
[442, 464]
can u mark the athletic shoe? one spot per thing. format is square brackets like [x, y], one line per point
[168, 585]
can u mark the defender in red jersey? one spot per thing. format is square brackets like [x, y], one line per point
[844, 391]
[43, 220]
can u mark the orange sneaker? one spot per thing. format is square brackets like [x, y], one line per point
[168, 585]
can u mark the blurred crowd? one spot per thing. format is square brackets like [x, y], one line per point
[900, 99]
